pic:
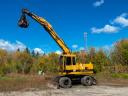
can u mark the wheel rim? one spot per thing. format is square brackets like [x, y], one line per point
[88, 81]
[66, 82]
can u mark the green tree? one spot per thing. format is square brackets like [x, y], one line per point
[91, 55]
[101, 60]
[27, 50]
[120, 53]
[24, 61]
[3, 61]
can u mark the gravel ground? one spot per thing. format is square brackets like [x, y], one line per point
[74, 91]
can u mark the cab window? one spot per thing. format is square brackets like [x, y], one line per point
[74, 60]
[68, 61]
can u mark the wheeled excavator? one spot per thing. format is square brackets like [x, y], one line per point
[70, 70]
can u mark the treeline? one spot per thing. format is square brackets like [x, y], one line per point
[114, 60]
[24, 62]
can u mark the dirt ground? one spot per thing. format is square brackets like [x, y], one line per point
[32, 86]
[77, 90]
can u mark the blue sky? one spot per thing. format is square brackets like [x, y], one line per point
[105, 21]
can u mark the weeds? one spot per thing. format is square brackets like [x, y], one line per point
[22, 82]
[120, 75]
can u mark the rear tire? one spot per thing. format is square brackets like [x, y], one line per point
[87, 81]
[65, 82]
[94, 81]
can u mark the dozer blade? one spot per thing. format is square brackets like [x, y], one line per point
[23, 23]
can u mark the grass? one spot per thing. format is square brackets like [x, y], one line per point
[17, 82]
[6, 78]
[120, 75]
[112, 79]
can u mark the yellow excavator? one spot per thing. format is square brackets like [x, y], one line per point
[70, 71]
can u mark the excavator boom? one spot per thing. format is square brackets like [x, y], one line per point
[47, 26]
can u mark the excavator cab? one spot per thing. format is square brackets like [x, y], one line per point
[66, 60]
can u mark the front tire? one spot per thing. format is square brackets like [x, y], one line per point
[87, 81]
[65, 82]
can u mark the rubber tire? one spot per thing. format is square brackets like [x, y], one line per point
[94, 81]
[65, 82]
[87, 81]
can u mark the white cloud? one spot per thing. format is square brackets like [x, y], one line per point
[6, 45]
[58, 52]
[107, 47]
[82, 48]
[38, 50]
[9, 46]
[75, 46]
[122, 20]
[105, 29]
[98, 3]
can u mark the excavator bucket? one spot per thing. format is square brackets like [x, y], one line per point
[23, 23]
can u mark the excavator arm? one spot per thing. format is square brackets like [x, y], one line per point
[47, 26]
